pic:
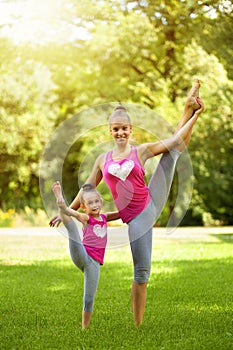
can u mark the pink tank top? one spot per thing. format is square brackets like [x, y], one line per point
[95, 238]
[125, 178]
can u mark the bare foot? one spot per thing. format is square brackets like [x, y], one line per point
[191, 104]
[56, 187]
[190, 123]
[57, 190]
[192, 100]
[64, 209]
[201, 108]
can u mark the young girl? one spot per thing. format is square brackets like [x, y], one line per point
[139, 205]
[87, 255]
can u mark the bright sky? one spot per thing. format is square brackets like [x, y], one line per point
[37, 21]
[41, 21]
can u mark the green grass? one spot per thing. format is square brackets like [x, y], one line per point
[189, 303]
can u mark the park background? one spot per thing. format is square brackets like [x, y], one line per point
[59, 58]
[61, 63]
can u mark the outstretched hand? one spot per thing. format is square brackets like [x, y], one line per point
[55, 221]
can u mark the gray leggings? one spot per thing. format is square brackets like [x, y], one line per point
[140, 227]
[89, 266]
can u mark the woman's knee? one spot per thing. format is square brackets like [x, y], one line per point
[142, 274]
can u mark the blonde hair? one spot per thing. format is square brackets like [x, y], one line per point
[119, 111]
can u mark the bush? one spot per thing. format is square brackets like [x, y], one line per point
[31, 217]
[7, 218]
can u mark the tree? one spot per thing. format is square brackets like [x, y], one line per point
[26, 120]
[140, 52]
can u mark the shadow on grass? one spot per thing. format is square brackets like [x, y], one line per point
[226, 238]
[189, 306]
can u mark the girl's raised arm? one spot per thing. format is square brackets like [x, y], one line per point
[94, 179]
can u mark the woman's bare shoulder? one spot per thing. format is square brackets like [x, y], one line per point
[101, 157]
[100, 160]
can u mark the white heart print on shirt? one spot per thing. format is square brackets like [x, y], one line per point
[121, 171]
[100, 231]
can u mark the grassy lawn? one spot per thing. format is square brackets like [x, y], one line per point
[189, 304]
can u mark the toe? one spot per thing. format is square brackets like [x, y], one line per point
[195, 89]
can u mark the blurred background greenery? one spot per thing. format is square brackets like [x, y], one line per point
[59, 58]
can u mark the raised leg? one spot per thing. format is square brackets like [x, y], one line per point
[161, 181]
[186, 131]
[64, 211]
[79, 256]
[191, 104]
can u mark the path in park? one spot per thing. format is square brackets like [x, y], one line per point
[118, 236]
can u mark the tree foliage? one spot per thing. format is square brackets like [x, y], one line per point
[140, 52]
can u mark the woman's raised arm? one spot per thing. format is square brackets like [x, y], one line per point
[94, 179]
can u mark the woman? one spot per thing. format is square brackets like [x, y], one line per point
[140, 205]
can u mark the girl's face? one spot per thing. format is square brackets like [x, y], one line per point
[120, 129]
[92, 203]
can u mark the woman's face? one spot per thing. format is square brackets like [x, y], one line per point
[120, 129]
